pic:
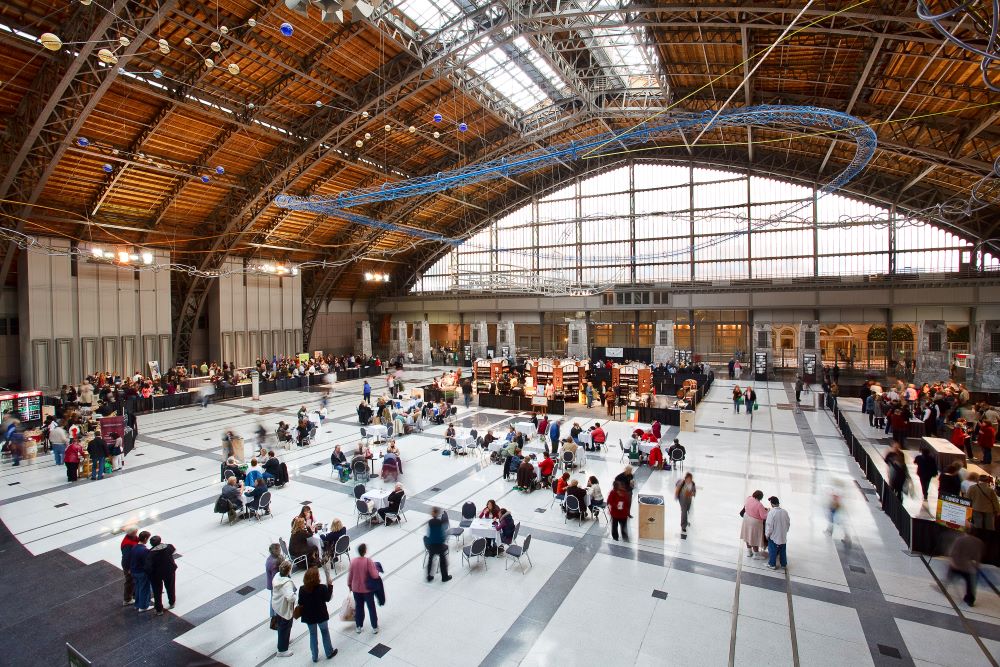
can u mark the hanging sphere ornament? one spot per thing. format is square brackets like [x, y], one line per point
[367, 136]
[319, 103]
[359, 143]
[287, 29]
[164, 46]
[437, 135]
[85, 3]
[158, 74]
[412, 129]
[205, 179]
[252, 23]
[82, 142]
[462, 127]
[124, 41]
[209, 63]
[224, 30]
[188, 41]
[364, 114]
[215, 46]
[107, 168]
[220, 170]
[107, 57]
[388, 128]
[234, 69]
[50, 41]
[438, 118]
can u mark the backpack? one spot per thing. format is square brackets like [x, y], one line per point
[345, 474]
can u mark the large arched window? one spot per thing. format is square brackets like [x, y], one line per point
[647, 222]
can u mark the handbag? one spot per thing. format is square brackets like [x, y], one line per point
[743, 512]
[274, 622]
[297, 611]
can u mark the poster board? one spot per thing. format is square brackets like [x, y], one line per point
[539, 402]
[632, 415]
[154, 370]
[954, 512]
[614, 352]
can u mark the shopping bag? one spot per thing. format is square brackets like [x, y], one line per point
[347, 610]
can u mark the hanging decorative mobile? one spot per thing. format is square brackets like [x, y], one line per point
[107, 168]
[220, 170]
[50, 41]
[287, 29]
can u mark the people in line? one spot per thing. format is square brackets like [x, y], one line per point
[130, 539]
[274, 559]
[313, 598]
[162, 568]
[137, 564]
[283, 603]
[97, 449]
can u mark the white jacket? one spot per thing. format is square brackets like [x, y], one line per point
[776, 526]
[283, 596]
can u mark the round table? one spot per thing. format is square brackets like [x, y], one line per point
[379, 498]
[527, 428]
[483, 528]
[464, 440]
[584, 439]
[647, 447]
[378, 431]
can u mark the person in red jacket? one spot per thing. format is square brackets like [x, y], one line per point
[618, 507]
[72, 460]
[130, 540]
[597, 436]
[987, 438]
[562, 484]
[656, 458]
[545, 466]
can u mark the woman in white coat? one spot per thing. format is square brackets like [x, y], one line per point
[283, 602]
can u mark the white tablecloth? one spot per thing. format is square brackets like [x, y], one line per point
[584, 438]
[646, 447]
[497, 445]
[405, 406]
[465, 440]
[527, 428]
[377, 497]
[483, 528]
[378, 431]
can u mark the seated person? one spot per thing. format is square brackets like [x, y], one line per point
[391, 466]
[254, 473]
[488, 439]
[491, 511]
[574, 432]
[362, 451]
[302, 431]
[546, 466]
[506, 527]
[306, 514]
[513, 462]
[233, 465]
[449, 437]
[570, 446]
[337, 530]
[231, 492]
[596, 495]
[597, 436]
[580, 494]
[301, 414]
[656, 457]
[365, 414]
[298, 542]
[676, 447]
[526, 475]
[282, 433]
[393, 500]
[272, 466]
[562, 484]
[254, 494]
[338, 459]
[510, 434]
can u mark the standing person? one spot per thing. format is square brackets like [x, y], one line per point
[798, 389]
[752, 530]
[589, 394]
[436, 545]
[609, 399]
[684, 492]
[58, 438]
[72, 460]
[161, 567]
[361, 571]
[270, 569]
[98, 450]
[627, 480]
[313, 597]
[116, 451]
[776, 531]
[130, 540]
[283, 604]
[554, 435]
[737, 398]
[467, 392]
[927, 468]
[896, 461]
[964, 559]
[750, 400]
[137, 563]
[987, 438]
[732, 367]
[618, 507]
[985, 505]
[366, 392]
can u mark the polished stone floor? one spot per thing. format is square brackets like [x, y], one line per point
[585, 600]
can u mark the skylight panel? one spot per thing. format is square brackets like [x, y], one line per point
[507, 78]
[429, 15]
[629, 61]
[536, 59]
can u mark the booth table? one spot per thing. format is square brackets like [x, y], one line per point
[377, 497]
[945, 452]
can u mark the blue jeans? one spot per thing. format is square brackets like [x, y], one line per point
[97, 470]
[270, 601]
[143, 589]
[360, 600]
[468, 399]
[324, 629]
[57, 452]
[774, 552]
[736, 407]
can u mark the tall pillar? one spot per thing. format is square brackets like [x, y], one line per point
[577, 346]
[987, 363]
[762, 344]
[506, 339]
[397, 340]
[932, 351]
[480, 339]
[663, 343]
[809, 356]
[420, 344]
[363, 337]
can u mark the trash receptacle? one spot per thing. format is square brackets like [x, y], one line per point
[687, 420]
[651, 517]
[820, 400]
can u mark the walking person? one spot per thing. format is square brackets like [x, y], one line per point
[737, 398]
[436, 545]
[162, 568]
[137, 563]
[363, 570]
[750, 400]
[98, 451]
[798, 389]
[58, 439]
[130, 540]
[618, 508]
[313, 597]
[283, 603]
[366, 392]
[776, 531]
[752, 531]
[985, 505]
[467, 392]
[684, 492]
[896, 461]
[964, 559]
[927, 468]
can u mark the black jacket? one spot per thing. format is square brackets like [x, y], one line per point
[160, 561]
[97, 448]
[314, 603]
